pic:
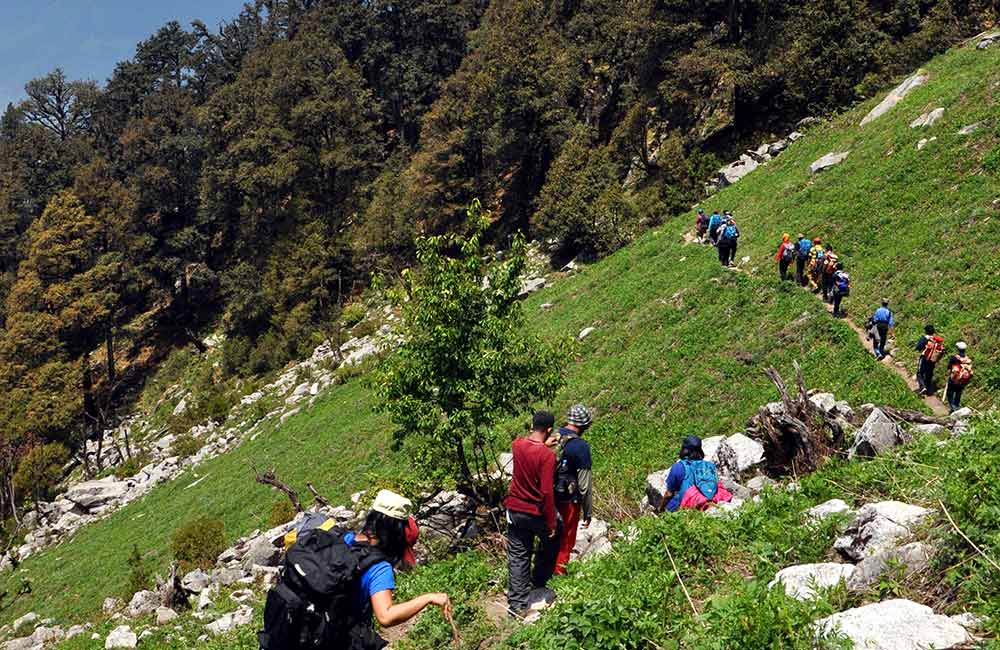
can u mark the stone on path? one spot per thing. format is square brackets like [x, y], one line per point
[927, 119]
[802, 581]
[896, 95]
[877, 435]
[880, 527]
[896, 625]
[829, 160]
[121, 637]
[827, 509]
[911, 558]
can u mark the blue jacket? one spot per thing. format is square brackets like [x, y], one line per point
[714, 220]
[883, 316]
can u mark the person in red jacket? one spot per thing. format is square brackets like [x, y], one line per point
[531, 514]
[785, 255]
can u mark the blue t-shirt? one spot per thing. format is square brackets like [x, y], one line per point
[675, 478]
[884, 316]
[378, 577]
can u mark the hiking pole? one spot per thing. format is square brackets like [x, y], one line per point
[677, 573]
[456, 638]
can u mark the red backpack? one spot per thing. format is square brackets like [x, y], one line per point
[934, 348]
[961, 372]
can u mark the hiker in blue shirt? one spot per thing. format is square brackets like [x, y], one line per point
[883, 321]
[729, 236]
[803, 248]
[713, 227]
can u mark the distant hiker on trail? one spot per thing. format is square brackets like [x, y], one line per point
[714, 222]
[802, 256]
[841, 289]
[532, 515]
[785, 255]
[931, 348]
[959, 374]
[701, 224]
[693, 482]
[882, 321]
[729, 236]
[574, 487]
[830, 263]
[313, 606]
[814, 267]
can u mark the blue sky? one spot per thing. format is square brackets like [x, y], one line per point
[86, 38]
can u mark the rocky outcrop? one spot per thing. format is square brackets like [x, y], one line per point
[910, 558]
[802, 581]
[877, 435]
[828, 509]
[896, 625]
[927, 119]
[880, 527]
[831, 159]
[896, 95]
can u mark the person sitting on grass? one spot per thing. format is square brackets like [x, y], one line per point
[693, 482]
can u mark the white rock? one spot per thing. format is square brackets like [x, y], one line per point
[795, 136]
[911, 558]
[970, 621]
[656, 489]
[206, 597]
[26, 622]
[923, 143]
[802, 581]
[749, 452]
[896, 625]
[111, 605]
[142, 603]
[531, 285]
[75, 631]
[196, 581]
[829, 160]
[585, 332]
[92, 494]
[877, 435]
[165, 615]
[970, 129]
[759, 483]
[917, 79]
[232, 620]
[181, 407]
[827, 509]
[961, 414]
[121, 637]
[930, 429]
[879, 527]
[927, 119]
[733, 172]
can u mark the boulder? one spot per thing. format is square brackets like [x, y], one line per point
[656, 488]
[738, 491]
[232, 620]
[733, 172]
[749, 452]
[531, 285]
[759, 483]
[930, 429]
[111, 605]
[75, 631]
[121, 637]
[911, 558]
[142, 603]
[448, 514]
[801, 582]
[920, 145]
[592, 541]
[795, 136]
[260, 551]
[927, 119]
[895, 96]
[827, 509]
[970, 129]
[93, 494]
[879, 527]
[165, 615]
[895, 625]
[26, 623]
[988, 40]
[207, 597]
[877, 435]
[585, 332]
[829, 160]
[196, 581]
[226, 576]
[961, 414]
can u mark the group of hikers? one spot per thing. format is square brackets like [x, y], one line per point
[817, 267]
[721, 231]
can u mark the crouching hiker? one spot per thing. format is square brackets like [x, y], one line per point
[693, 482]
[531, 515]
[335, 583]
[574, 489]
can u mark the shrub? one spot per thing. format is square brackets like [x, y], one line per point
[282, 512]
[139, 576]
[41, 470]
[186, 444]
[198, 543]
[353, 314]
[131, 466]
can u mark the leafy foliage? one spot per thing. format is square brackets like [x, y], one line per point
[40, 470]
[198, 542]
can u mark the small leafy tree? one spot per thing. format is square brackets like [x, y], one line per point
[40, 470]
[466, 362]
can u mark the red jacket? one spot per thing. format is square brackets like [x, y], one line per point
[531, 490]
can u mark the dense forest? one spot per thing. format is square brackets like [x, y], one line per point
[254, 177]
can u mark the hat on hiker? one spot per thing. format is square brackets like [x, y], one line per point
[392, 505]
[817, 241]
[412, 535]
[691, 449]
[579, 416]
[961, 345]
[701, 210]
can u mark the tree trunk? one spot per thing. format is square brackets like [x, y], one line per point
[109, 344]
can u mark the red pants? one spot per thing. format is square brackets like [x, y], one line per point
[570, 513]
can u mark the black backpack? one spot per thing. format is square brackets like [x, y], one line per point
[316, 603]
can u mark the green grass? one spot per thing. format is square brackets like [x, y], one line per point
[679, 348]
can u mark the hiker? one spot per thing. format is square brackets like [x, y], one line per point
[882, 321]
[841, 289]
[364, 562]
[693, 482]
[959, 374]
[714, 222]
[729, 236]
[574, 488]
[931, 347]
[814, 267]
[802, 255]
[531, 514]
[701, 224]
[785, 255]
[830, 263]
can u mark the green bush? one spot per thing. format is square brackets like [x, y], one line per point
[198, 543]
[185, 445]
[364, 328]
[131, 466]
[353, 314]
[282, 512]
[41, 470]
[139, 577]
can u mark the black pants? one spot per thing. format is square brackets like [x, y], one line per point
[783, 269]
[883, 338]
[713, 234]
[800, 270]
[522, 531]
[837, 298]
[925, 375]
[827, 285]
[954, 395]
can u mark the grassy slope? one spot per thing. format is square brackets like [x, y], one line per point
[680, 344]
